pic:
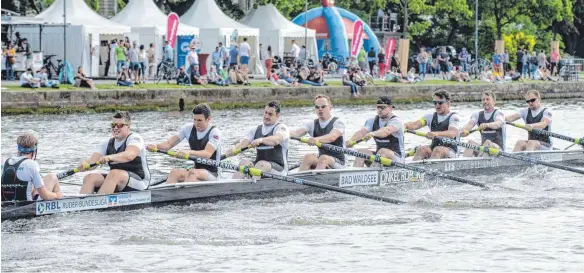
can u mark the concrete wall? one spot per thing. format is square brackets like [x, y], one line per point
[170, 97]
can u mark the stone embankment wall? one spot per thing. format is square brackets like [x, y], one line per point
[14, 102]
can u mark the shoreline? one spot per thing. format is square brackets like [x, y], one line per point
[156, 99]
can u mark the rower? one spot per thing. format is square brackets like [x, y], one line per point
[21, 178]
[442, 123]
[535, 117]
[270, 139]
[325, 129]
[126, 156]
[204, 141]
[386, 129]
[491, 124]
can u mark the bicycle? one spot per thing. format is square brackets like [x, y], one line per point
[166, 71]
[50, 66]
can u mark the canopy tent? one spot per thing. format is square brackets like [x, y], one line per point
[86, 32]
[215, 26]
[278, 32]
[148, 24]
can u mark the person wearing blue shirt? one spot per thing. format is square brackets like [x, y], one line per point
[234, 53]
[167, 55]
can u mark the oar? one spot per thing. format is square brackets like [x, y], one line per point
[75, 170]
[294, 166]
[389, 162]
[257, 172]
[471, 131]
[497, 152]
[548, 133]
[235, 152]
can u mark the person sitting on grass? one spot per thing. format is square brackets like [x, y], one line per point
[81, 80]
[285, 75]
[225, 75]
[196, 77]
[214, 78]
[275, 80]
[487, 75]
[513, 76]
[182, 78]
[235, 75]
[357, 78]
[27, 80]
[44, 79]
[124, 78]
[316, 76]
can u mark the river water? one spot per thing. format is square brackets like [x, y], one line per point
[447, 227]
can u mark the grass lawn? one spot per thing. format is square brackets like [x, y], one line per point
[164, 85]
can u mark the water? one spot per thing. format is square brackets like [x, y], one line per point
[448, 226]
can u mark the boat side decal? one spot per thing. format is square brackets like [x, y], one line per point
[93, 202]
[400, 175]
[358, 179]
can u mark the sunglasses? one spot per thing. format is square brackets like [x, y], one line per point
[316, 106]
[440, 102]
[380, 107]
[119, 125]
[531, 100]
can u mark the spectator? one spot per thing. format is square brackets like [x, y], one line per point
[27, 80]
[487, 75]
[432, 63]
[285, 75]
[214, 78]
[244, 54]
[519, 55]
[192, 60]
[533, 64]
[422, 59]
[505, 59]
[225, 75]
[381, 60]
[362, 58]
[555, 59]
[124, 78]
[216, 58]
[151, 53]
[269, 60]
[44, 79]
[81, 80]
[134, 62]
[275, 80]
[167, 55]
[513, 76]
[224, 54]
[348, 82]
[463, 57]
[303, 77]
[142, 58]
[443, 59]
[27, 49]
[295, 52]
[525, 64]
[234, 57]
[316, 75]
[371, 59]
[19, 42]
[303, 55]
[182, 77]
[108, 63]
[235, 75]
[9, 53]
[120, 56]
[542, 59]
[196, 77]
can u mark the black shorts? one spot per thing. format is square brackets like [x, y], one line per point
[443, 67]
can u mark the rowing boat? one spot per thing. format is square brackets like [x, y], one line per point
[349, 177]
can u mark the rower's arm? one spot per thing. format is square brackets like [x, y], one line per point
[385, 131]
[93, 158]
[452, 132]
[330, 137]
[131, 152]
[299, 132]
[415, 125]
[512, 118]
[542, 124]
[244, 142]
[360, 133]
[469, 125]
[169, 143]
[206, 153]
[274, 140]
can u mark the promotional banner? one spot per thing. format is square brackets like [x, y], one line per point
[184, 43]
[357, 38]
[172, 28]
[389, 49]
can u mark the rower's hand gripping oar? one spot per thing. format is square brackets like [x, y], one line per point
[235, 152]
[579, 141]
[257, 172]
[497, 152]
[352, 143]
[388, 162]
[76, 170]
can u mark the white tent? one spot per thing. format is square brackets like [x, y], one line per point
[215, 26]
[278, 32]
[148, 24]
[87, 31]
